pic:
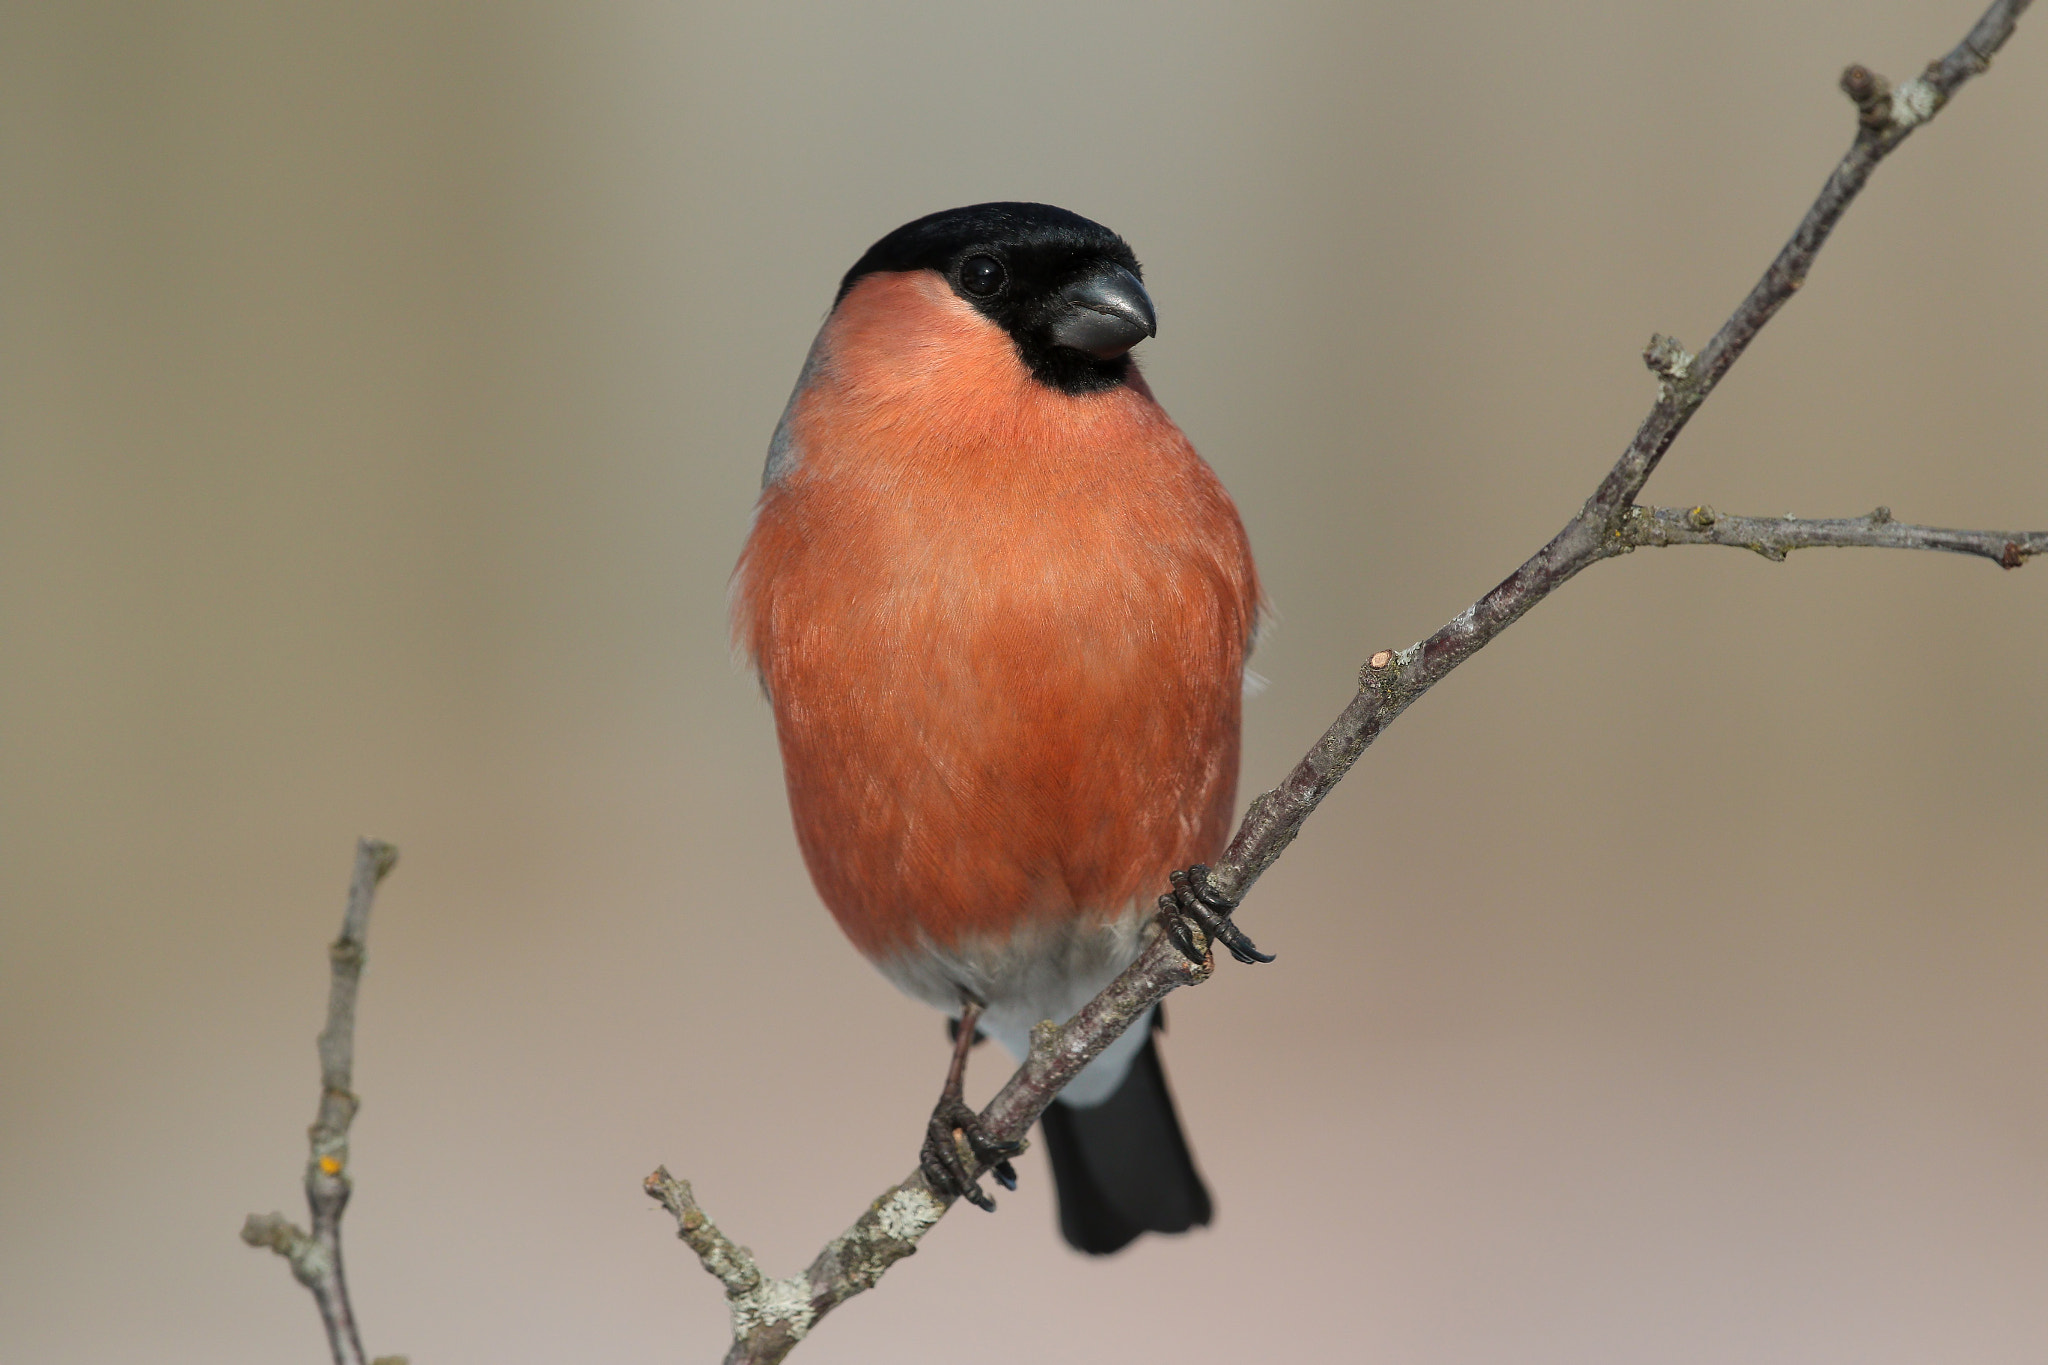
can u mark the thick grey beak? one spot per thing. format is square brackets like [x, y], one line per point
[1104, 313]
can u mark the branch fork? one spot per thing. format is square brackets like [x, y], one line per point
[315, 1256]
[770, 1316]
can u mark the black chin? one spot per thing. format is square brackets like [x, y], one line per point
[1072, 371]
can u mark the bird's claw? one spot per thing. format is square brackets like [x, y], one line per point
[955, 1148]
[1194, 901]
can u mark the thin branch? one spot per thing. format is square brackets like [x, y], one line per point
[771, 1316]
[1388, 687]
[733, 1265]
[315, 1256]
[1776, 537]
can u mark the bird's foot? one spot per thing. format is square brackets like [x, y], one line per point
[1194, 903]
[955, 1147]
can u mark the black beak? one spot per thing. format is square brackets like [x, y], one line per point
[1104, 313]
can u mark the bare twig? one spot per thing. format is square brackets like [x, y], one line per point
[315, 1256]
[1600, 530]
[771, 1316]
[1775, 537]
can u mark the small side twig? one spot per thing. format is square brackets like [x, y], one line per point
[1776, 537]
[315, 1257]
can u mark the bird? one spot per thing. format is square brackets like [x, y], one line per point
[1002, 611]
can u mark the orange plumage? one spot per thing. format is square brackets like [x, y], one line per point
[1003, 627]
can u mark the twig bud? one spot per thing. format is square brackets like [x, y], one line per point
[1667, 359]
[1872, 95]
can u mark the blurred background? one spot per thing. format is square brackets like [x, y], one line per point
[384, 392]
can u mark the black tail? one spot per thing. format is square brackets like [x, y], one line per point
[1122, 1167]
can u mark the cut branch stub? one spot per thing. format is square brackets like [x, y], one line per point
[1667, 359]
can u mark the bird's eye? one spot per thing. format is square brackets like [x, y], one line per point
[981, 275]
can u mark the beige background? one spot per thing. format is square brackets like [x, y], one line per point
[385, 389]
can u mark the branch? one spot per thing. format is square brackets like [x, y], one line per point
[315, 1256]
[1775, 537]
[1393, 680]
[771, 1316]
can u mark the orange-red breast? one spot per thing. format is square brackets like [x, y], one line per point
[1002, 610]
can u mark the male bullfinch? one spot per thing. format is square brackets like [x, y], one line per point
[1002, 610]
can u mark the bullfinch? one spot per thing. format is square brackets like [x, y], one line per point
[1001, 610]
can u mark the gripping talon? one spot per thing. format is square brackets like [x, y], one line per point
[1194, 899]
[1241, 947]
[1176, 926]
[954, 1145]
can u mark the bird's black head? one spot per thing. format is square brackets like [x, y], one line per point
[1068, 291]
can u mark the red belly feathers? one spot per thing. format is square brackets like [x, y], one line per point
[1003, 629]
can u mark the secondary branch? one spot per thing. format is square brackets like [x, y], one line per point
[1776, 537]
[315, 1257]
